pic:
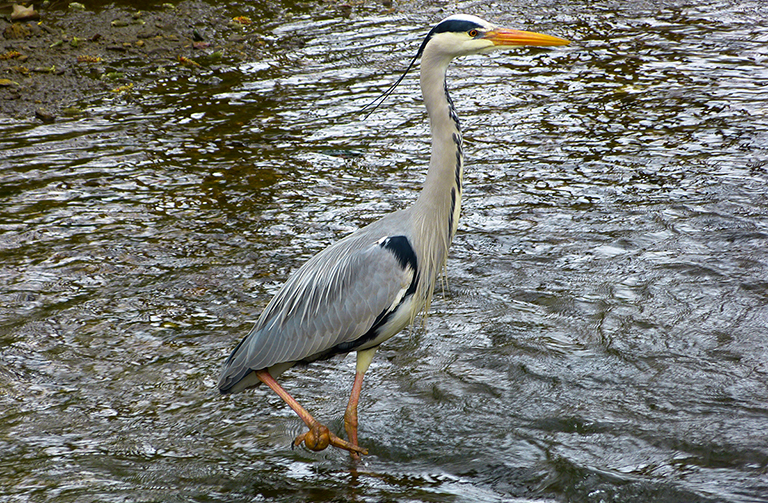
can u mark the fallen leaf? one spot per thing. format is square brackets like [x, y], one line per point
[10, 55]
[122, 89]
[21, 13]
[188, 62]
[88, 59]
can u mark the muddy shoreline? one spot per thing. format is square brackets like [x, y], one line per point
[69, 52]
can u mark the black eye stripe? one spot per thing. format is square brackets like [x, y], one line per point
[451, 25]
[456, 25]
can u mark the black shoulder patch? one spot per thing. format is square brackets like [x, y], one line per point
[402, 250]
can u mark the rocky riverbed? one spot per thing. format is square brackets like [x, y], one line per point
[56, 56]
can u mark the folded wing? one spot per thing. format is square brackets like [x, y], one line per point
[334, 299]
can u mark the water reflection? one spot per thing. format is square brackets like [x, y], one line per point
[601, 334]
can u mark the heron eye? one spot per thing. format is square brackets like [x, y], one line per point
[472, 33]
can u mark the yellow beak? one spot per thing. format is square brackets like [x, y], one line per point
[503, 36]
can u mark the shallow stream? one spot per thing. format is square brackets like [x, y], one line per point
[602, 334]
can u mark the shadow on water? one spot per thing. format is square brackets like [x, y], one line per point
[601, 335]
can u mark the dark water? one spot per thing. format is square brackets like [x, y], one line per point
[603, 334]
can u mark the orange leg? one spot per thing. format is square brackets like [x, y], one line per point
[350, 416]
[364, 359]
[318, 437]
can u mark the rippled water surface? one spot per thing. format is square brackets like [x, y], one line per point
[602, 335]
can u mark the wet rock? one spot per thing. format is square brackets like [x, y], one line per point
[147, 32]
[46, 28]
[44, 115]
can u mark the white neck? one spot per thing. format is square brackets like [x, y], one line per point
[437, 209]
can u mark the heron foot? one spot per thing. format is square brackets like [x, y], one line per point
[319, 437]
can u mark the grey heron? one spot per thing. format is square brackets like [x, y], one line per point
[362, 290]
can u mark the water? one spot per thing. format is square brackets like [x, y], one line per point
[602, 333]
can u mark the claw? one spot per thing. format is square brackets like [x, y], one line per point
[319, 437]
[343, 444]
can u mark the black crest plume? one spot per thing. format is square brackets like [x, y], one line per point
[452, 25]
[383, 96]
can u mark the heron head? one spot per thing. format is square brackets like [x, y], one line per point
[463, 34]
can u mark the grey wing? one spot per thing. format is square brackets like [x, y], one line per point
[334, 298]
